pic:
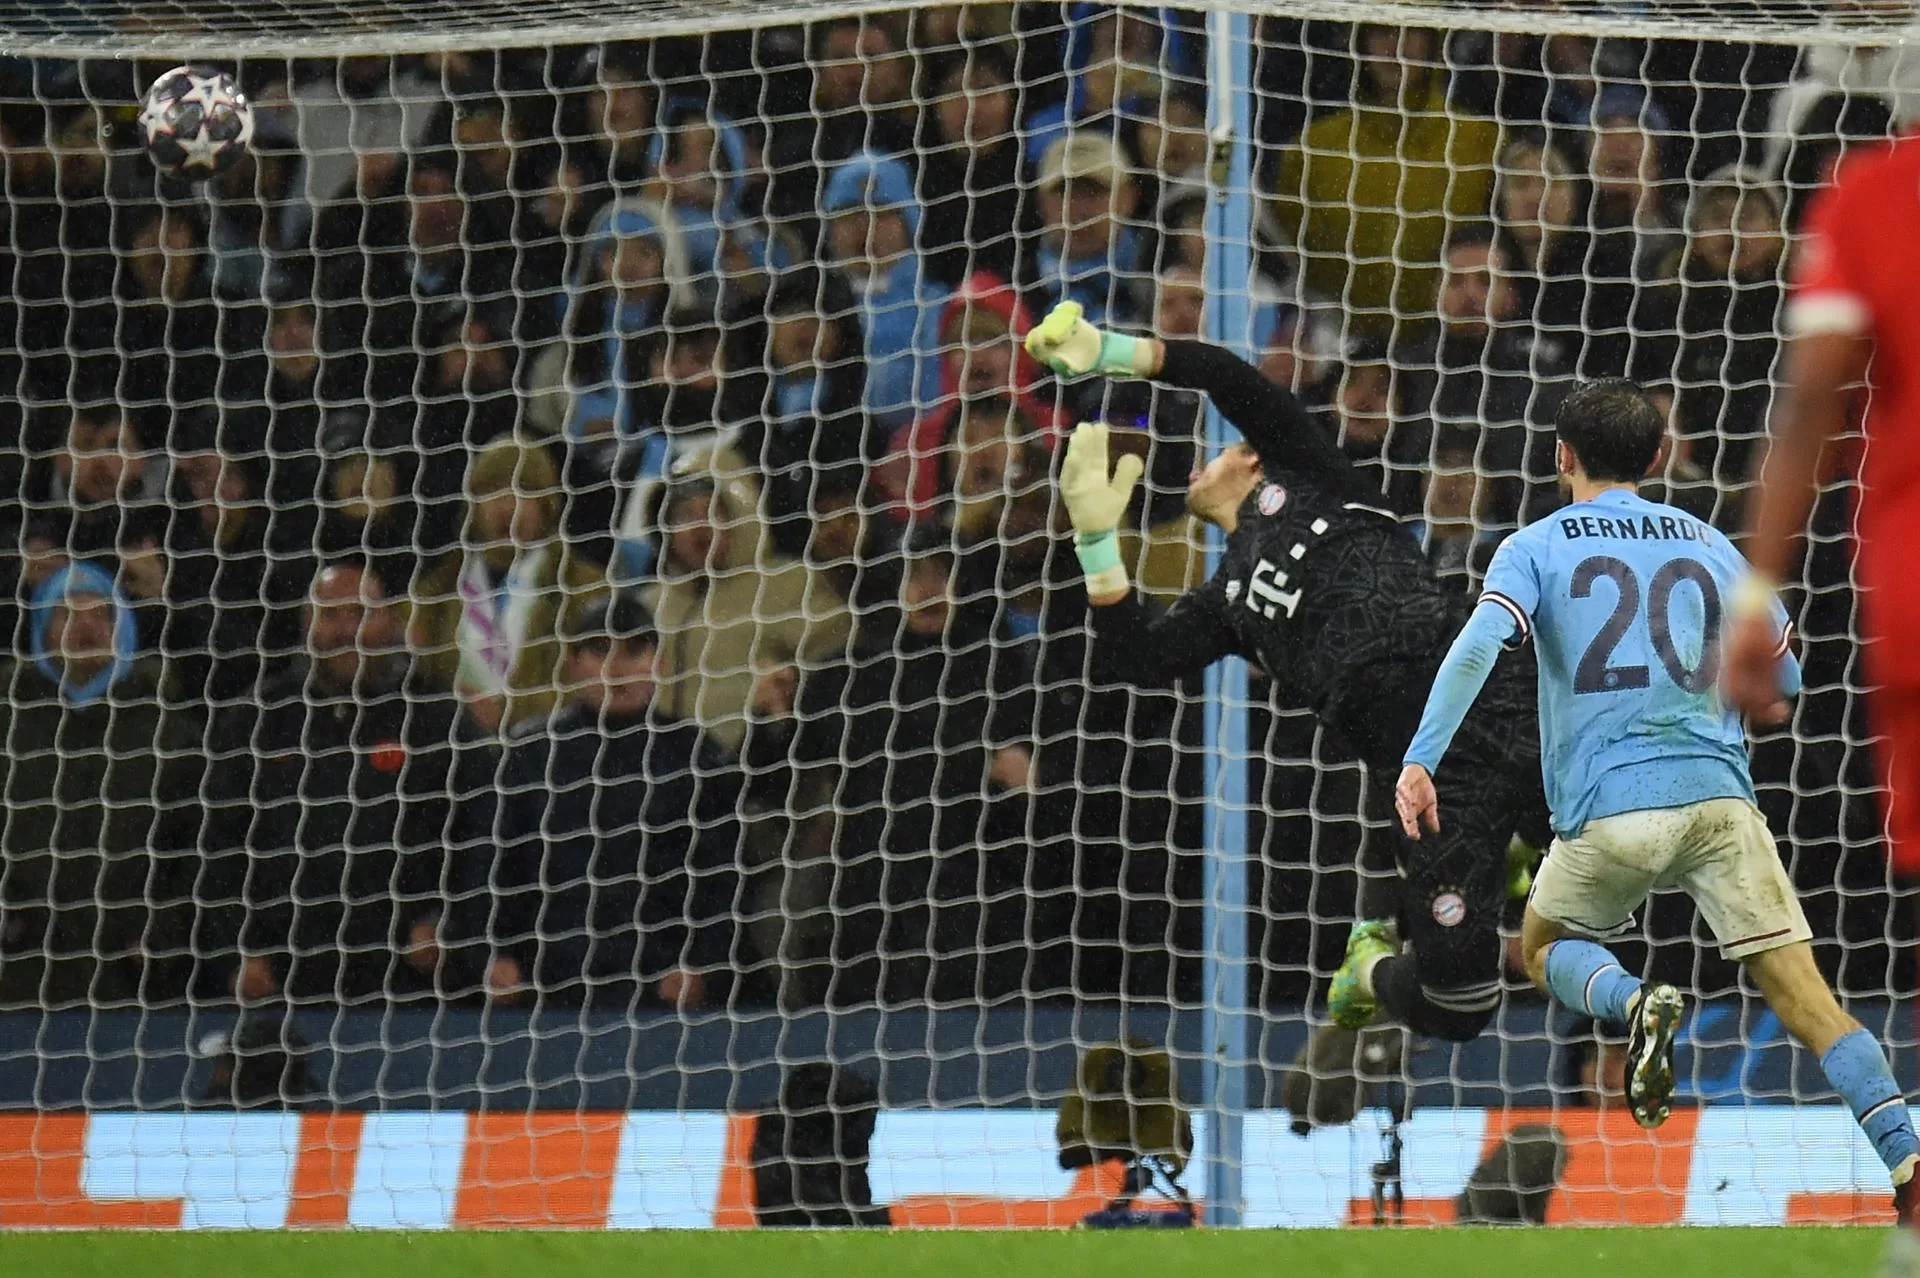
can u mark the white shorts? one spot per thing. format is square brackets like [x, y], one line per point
[1719, 851]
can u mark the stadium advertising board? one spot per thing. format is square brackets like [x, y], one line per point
[1719, 1165]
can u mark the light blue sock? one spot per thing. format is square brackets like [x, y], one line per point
[1588, 978]
[1858, 1070]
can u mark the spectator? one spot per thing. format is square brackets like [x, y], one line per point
[94, 495]
[1171, 139]
[1170, 417]
[1179, 302]
[929, 736]
[852, 547]
[100, 782]
[1831, 128]
[731, 608]
[369, 494]
[995, 449]
[487, 614]
[1367, 194]
[1183, 232]
[1537, 201]
[330, 812]
[861, 99]
[1087, 251]
[1632, 240]
[169, 331]
[354, 118]
[1488, 382]
[1450, 526]
[607, 128]
[615, 877]
[981, 335]
[807, 413]
[1387, 455]
[1804, 111]
[1113, 66]
[700, 162]
[616, 315]
[970, 169]
[62, 242]
[1730, 294]
[872, 233]
[227, 606]
[469, 396]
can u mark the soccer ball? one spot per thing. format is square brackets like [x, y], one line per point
[195, 122]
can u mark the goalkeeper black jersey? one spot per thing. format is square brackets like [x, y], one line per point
[1326, 593]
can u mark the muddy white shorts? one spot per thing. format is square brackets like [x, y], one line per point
[1720, 852]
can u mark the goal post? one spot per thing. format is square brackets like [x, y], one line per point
[1227, 972]
[546, 658]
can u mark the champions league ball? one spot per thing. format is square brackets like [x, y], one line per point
[195, 123]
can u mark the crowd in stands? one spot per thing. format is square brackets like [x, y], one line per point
[575, 526]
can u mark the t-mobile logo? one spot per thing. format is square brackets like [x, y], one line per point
[1266, 592]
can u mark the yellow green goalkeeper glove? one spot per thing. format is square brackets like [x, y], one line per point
[1071, 347]
[1096, 503]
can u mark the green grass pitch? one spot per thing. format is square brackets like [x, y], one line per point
[1495, 1253]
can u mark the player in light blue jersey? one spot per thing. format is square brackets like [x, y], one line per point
[1645, 769]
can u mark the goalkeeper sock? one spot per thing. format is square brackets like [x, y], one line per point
[1100, 559]
[1587, 978]
[1858, 1070]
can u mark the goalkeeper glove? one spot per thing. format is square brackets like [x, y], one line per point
[1096, 503]
[1071, 347]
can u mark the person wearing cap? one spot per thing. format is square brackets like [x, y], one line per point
[614, 879]
[89, 822]
[1087, 252]
[1366, 194]
[872, 223]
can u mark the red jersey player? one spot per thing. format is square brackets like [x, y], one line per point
[1856, 297]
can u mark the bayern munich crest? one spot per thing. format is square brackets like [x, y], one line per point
[1272, 498]
[1449, 909]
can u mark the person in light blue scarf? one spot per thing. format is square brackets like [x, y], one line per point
[91, 649]
[617, 303]
[872, 237]
[698, 164]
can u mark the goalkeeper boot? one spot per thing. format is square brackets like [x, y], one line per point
[1349, 1004]
[1653, 1023]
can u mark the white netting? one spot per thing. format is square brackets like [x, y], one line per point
[538, 366]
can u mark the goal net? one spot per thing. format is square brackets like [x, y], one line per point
[550, 685]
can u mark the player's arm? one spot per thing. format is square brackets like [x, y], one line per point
[1831, 324]
[1455, 688]
[1503, 619]
[1271, 419]
[1133, 643]
[1136, 643]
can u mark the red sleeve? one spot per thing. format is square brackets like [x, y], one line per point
[1831, 293]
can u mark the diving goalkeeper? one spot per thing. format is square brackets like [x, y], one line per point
[1330, 596]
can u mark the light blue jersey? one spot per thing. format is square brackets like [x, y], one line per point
[1622, 598]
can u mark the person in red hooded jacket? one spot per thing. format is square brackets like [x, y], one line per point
[981, 335]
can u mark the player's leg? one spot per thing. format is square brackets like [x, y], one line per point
[1452, 893]
[1749, 901]
[1589, 887]
[1850, 1057]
